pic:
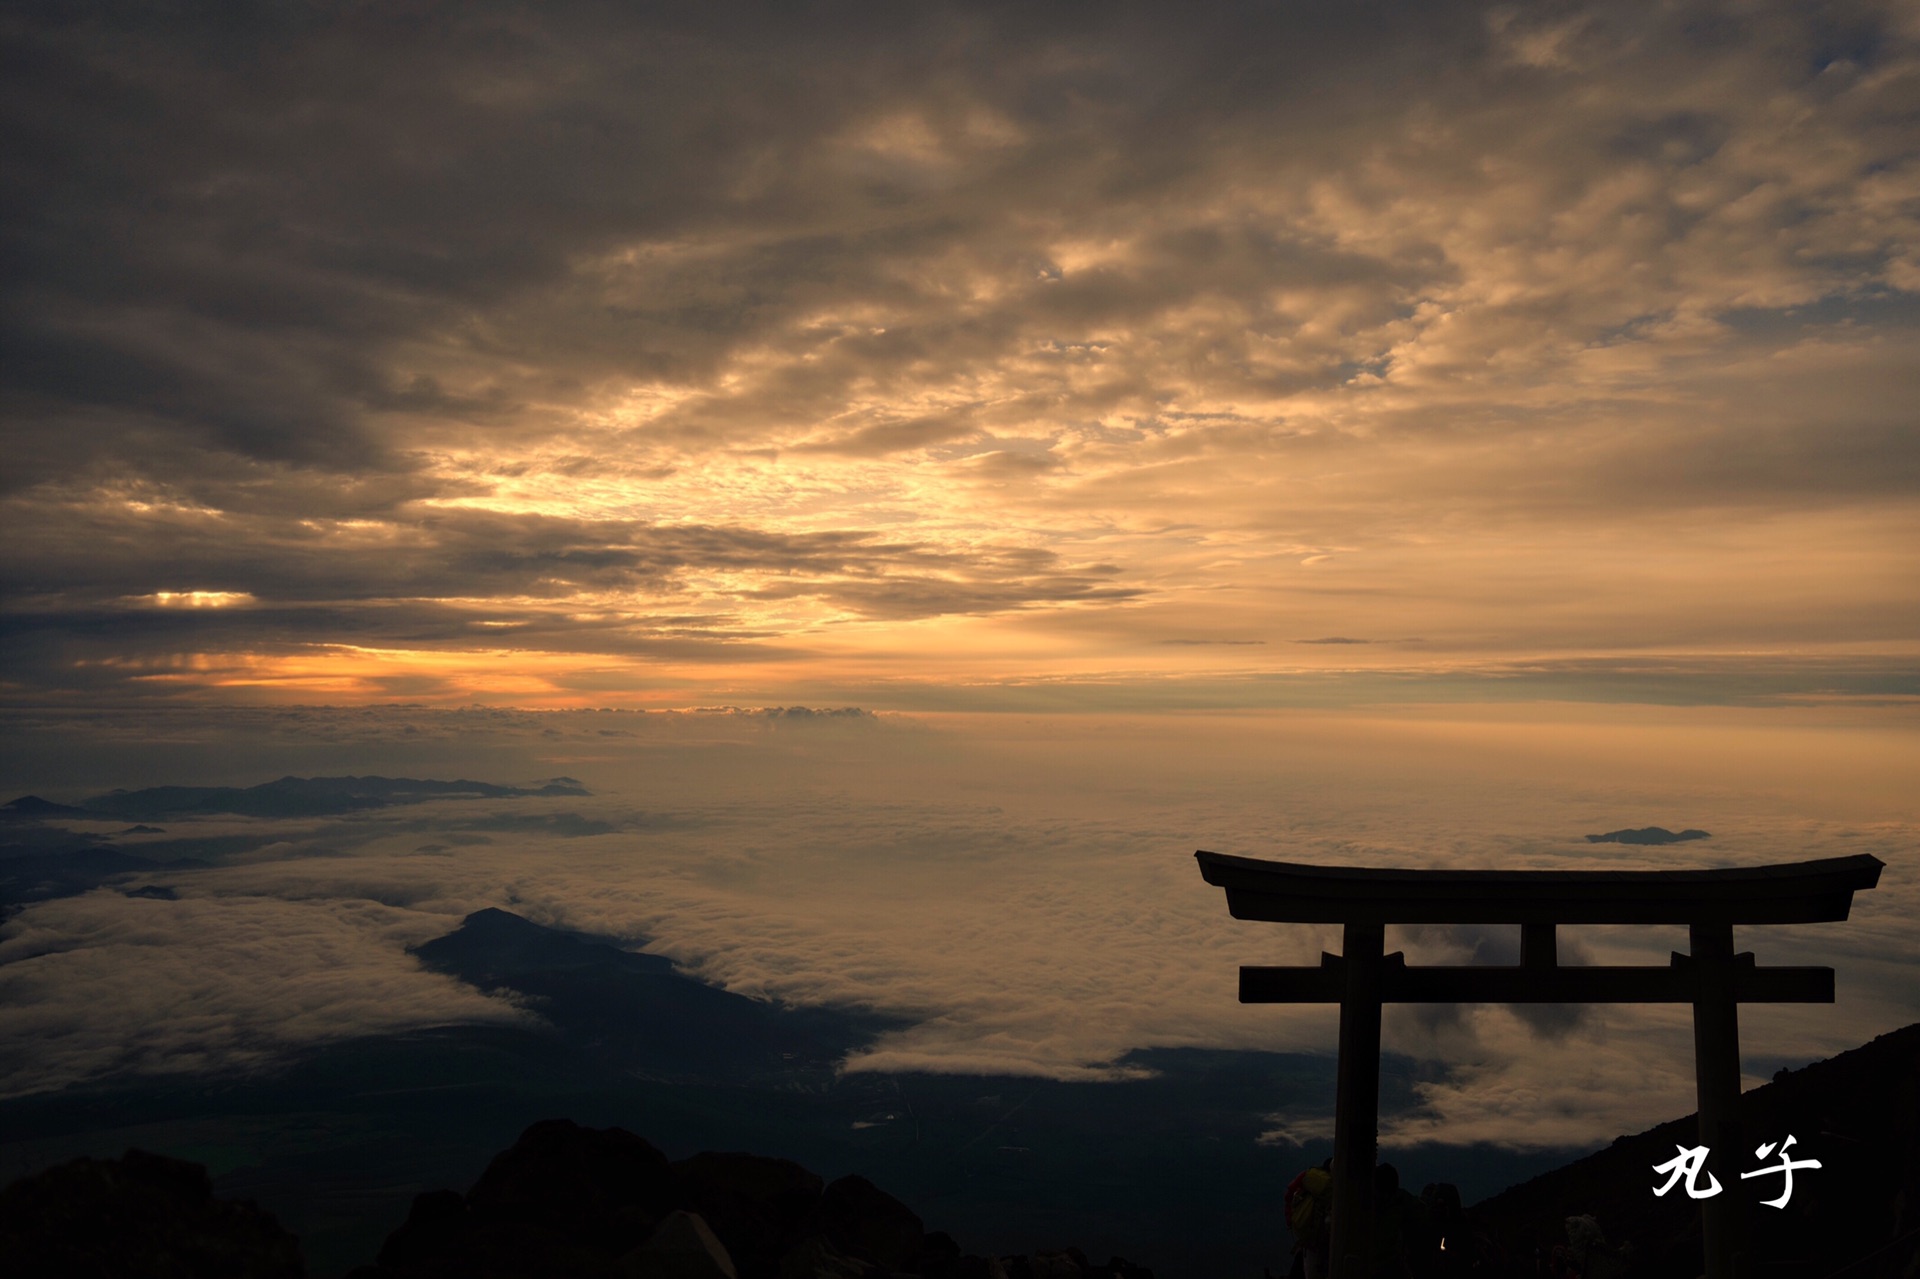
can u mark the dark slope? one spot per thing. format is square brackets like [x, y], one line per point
[1858, 1113]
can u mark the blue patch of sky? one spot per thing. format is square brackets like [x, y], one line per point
[1859, 41]
[1347, 370]
[1633, 330]
[1878, 307]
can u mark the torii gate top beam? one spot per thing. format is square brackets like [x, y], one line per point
[1290, 892]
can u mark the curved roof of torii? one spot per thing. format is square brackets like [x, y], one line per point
[1786, 893]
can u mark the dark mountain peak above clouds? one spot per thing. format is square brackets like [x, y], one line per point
[32, 808]
[636, 1009]
[492, 947]
[1647, 835]
[304, 797]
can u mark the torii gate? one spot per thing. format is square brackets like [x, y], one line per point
[1712, 978]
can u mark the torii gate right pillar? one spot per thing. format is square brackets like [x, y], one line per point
[1356, 1103]
[1716, 1069]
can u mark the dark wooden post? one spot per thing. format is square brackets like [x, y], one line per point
[1356, 1105]
[1539, 947]
[1716, 1068]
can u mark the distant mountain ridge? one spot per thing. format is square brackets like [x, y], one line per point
[1648, 835]
[306, 796]
[42, 858]
[286, 797]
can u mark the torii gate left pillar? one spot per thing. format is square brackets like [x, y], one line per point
[1712, 978]
[1356, 1103]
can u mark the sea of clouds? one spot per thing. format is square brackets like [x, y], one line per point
[1021, 887]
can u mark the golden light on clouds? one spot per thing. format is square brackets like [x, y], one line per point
[196, 599]
[1497, 338]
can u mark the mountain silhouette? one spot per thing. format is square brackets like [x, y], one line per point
[32, 808]
[142, 1214]
[1647, 835]
[572, 1201]
[305, 797]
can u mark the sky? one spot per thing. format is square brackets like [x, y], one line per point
[583, 354]
[1414, 434]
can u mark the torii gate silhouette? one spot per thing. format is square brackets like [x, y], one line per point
[1712, 978]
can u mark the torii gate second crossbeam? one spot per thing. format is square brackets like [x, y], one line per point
[1712, 977]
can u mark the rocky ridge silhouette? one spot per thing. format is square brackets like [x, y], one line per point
[142, 1216]
[573, 1201]
[566, 1201]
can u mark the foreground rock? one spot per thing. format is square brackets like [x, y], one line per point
[567, 1201]
[140, 1215]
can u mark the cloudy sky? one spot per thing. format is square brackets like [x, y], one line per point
[1412, 434]
[646, 354]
